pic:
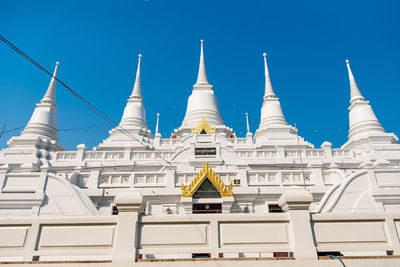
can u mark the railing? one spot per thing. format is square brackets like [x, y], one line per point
[338, 153]
[251, 154]
[238, 141]
[169, 141]
[106, 238]
[66, 155]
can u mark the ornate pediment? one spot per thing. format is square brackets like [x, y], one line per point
[207, 173]
[203, 126]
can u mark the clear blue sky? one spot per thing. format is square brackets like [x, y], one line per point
[97, 43]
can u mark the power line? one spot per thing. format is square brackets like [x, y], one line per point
[63, 130]
[82, 128]
[2, 130]
[13, 129]
[82, 99]
[97, 111]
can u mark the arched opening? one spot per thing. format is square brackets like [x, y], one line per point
[207, 198]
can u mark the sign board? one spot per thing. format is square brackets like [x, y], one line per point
[205, 151]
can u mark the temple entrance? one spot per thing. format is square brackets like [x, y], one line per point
[205, 197]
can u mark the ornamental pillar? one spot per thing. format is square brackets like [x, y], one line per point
[128, 204]
[296, 204]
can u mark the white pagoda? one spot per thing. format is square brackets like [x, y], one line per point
[202, 192]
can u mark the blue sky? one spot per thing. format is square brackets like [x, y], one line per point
[97, 43]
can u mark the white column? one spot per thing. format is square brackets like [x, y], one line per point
[31, 239]
[316, 167]
[227, 204]
[392, 231]
[128, 204]
[81, 149]
[296, 204]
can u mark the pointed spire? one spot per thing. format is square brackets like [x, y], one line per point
[355, 93]
[158, 118]
[269, 92]
[137, 90]
[247, 122]
[50, 95]
[202, 76]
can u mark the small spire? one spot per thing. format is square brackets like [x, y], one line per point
[137, 90]
[158, 118]
[247, 122]
[50, 95]
[355, 93]
[202, 76]
[269, 92]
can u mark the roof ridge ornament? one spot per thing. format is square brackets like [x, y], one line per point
[206, 173]
[355, 93]
[137, 89]
[269, 92]
[50, 95]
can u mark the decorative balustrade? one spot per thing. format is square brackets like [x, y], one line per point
[295, 154]
[267, 154]
[262, 178]
[142, 155]
[232, 140]
[251, 154]
[339, 153]
[114, 155]
[114, 180]
[246, 154]
[149, 179]
[169, 141]
[278, 178]
[165, 155]
[237, 141]
[93, 155]
[66, 155]
[241, 141]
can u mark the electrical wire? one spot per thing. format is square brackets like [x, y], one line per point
[97, 111]
[74, 93]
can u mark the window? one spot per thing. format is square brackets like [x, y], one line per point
[274, 208]
[201, 255]
[207, 208]
[206, 190]
[114, 210]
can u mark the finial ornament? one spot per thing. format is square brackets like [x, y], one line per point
[247, 122]
[202, 75]
[355, 93]
[269, 92]
[50, 95]
[158, 118]
[137, 89]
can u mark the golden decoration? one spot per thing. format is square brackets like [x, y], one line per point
[203, 125]
[207, 172]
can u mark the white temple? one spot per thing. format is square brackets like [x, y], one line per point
[202, 192]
